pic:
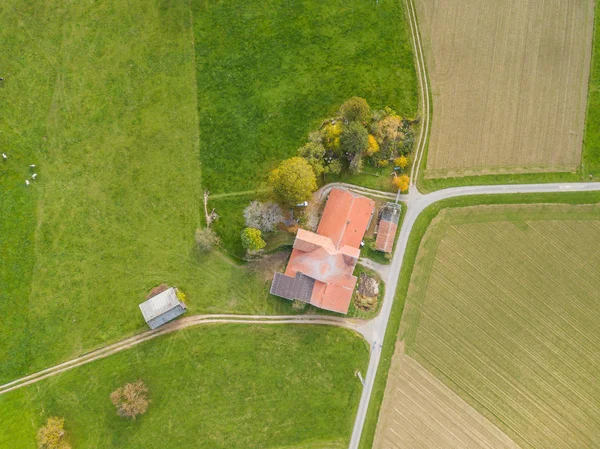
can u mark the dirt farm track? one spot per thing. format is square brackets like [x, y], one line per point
[509, 83]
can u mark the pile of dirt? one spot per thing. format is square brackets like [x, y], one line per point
[367, 293]
[367, 286]
[156, 290]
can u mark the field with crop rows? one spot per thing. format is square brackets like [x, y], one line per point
[509, 84]
[504, 308]
[420, 411]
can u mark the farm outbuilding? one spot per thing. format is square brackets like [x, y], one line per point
[388, 225]
[162, 308]
[320, 268]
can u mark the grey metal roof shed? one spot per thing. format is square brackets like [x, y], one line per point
[162, 308]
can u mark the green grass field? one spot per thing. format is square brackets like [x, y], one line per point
[503, 306]
[591, 142]
[268, 73]
[103, 100]
[219, 386]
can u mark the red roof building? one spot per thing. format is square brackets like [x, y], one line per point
[320, 268]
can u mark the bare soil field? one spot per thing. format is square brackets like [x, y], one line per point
[509, 84]
[504, 308]
[419, 411]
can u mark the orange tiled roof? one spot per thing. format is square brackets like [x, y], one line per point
[330, 255]
[385, 236]
[346, 218]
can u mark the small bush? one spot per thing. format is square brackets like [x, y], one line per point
[252, 239]
[383, 163]
[180, 295]
[206, 239]
[131, 400]
[298, 305]
[373, 145]
[335, 167]
[53, 435]
[365, 303]
[331, 136]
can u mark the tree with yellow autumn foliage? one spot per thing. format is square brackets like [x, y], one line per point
[53, 435]
[331, 136]
[401, 162]
[293, 181]
[373, 145]
[401, 182]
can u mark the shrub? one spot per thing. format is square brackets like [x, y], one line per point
[53, 435]
[293, 181]
[263, 216]
[356, 109]
[252, 239]
[366, 303]
[298, 305]
[401, 183]
[180, 295]
[401, 162]
[335, 167]
[206, 238]
[356, 164]
[131, 399]
[354, 138]
[373, 145]
[383, 163]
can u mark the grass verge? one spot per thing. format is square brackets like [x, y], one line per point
[591, 140]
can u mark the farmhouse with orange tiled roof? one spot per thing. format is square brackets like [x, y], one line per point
[320, 268]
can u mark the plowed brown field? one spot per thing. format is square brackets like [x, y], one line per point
[419, 411]
[504, 308]
[509, 84]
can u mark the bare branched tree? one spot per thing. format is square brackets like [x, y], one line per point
[263, 216]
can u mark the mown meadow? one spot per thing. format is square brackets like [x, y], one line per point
[215, 386]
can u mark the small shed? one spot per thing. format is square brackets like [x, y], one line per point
[162, 308]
